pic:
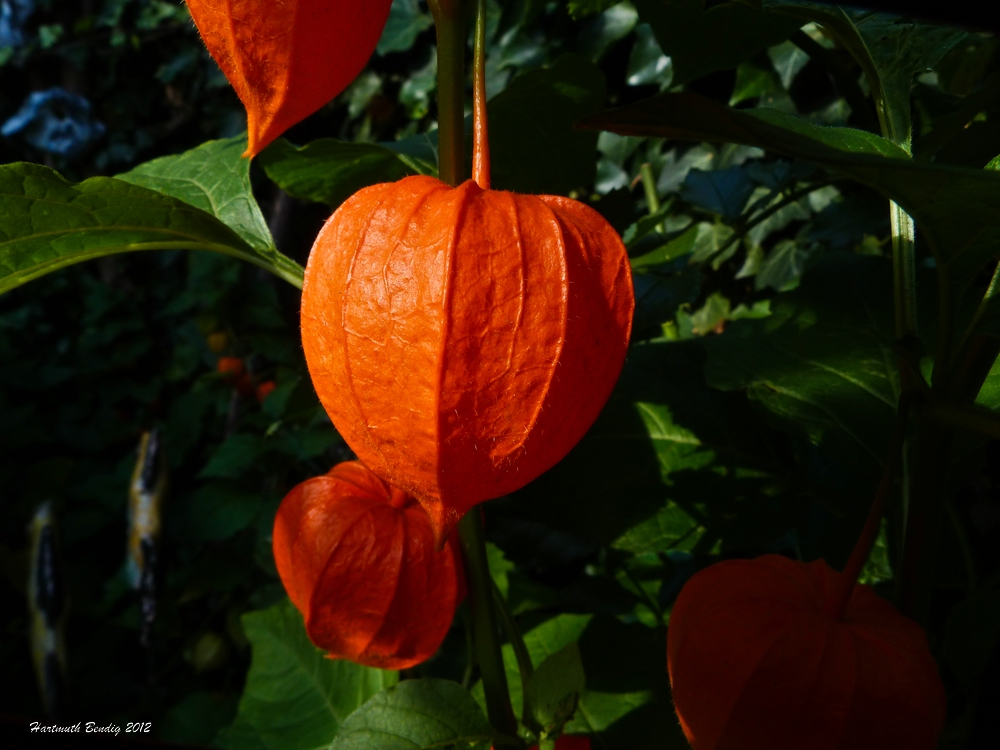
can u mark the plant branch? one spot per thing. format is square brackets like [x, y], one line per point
[485, 636]
[449, 20]
[904, 271]
[524, 665]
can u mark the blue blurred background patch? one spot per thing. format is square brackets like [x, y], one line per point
[13, 14]
[55, 121]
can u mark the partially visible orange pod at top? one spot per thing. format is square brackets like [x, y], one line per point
[464, 339]
[287, 58]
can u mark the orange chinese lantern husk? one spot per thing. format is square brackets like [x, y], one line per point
[357, 558]
[287, 59]
[756, 663]
[461, 339]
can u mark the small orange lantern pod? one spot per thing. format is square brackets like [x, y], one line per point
[757, 662]
[357, 558]
[464, 339]
[287, 59]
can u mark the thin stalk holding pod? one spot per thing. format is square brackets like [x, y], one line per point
[840, 595]
[485, 633]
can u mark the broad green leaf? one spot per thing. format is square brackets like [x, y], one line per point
[954, 207]
[217, 510]
[555, 688]
[534, 147]
[47, 223]
[234, 456]
[702, 40]
[822, 363]
[542, 642]
[647, 64]
[330, 171]
[413, 715]
[406, 21]
[583, 8]
[627, 699]
[890, 49]
[215, 178]
[601, 32]
[295, 697]
[671, 528]
[197, 718]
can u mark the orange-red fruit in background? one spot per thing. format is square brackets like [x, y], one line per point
[357, 558]
[463, 340]
[230, 368]
[756, 664]
[287, 59]
[265, 389]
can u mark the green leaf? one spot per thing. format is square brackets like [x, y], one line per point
[534, 147]
[542, 642]
[330, 171]
[234, 456]
[890, 49]
[954, 207]
[416, 714]
[47, 223]
[218, 510]
[555, 688]
[295, 698]
[197, 718]
[702, 40]
[822, 364]
[582, 8]
[215, 178]
[403, 26]
[670, 528]
[627, 700]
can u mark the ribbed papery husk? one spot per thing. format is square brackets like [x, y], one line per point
[756, 664]
[287, 58]
[464, 340]
[363, 572]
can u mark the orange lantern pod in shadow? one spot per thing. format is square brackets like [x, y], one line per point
[757, 662]
[357, 558]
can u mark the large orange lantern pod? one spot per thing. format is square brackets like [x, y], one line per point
[463, 339]
[357, 558]
[760, 660]
[287, 59]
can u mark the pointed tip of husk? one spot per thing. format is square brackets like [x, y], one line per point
[443, 520]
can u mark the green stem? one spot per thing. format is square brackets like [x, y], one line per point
[449, 20]
[649, 187]
[904, 271]
[485, 636]
[524, 665]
